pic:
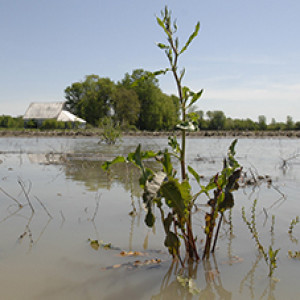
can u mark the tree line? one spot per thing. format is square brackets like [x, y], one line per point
[137, 103]
[216, 120]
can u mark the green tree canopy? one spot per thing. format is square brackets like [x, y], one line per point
[126, 106]
[216, 119]
[90, 99]
[262, 122]
[157, 110]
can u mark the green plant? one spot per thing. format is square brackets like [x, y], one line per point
[223, 185]
[172, 195]
[270, 254]
[111, 133]
[293, 223]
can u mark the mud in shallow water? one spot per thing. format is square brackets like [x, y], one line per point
[47, 254]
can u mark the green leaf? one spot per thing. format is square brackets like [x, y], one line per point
[149, 219]
[177, 195]
[232, 180]
[195, 97]
[105, 166]
[174, 144]
[167, 164]
[159, 72]
[146, 175]
[161, 23]
[227, 202]
[167, 222]
[232, 146]
[172, 242]
[192, 36]
[185, 92]
[162, 46]
[194, 173]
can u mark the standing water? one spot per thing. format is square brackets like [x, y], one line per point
[71, 231]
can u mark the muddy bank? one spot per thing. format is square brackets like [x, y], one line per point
[201, 133]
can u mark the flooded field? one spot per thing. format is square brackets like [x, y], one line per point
[71, 231]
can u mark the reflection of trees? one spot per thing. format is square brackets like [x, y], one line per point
[94, 178]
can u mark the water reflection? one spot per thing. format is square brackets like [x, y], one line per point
[213, 286]
[94, 178]
[250, 281]
[59, 249]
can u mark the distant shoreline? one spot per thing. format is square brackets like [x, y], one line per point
[201, 133]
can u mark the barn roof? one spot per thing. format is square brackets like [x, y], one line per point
[66, 116]
[42, 110]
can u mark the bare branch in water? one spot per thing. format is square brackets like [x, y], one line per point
[11, 197]
[44, 207]
[12, 214]
[97, 207]
[21, 183]
[63, 217]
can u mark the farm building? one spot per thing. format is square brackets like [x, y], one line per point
[41, 111]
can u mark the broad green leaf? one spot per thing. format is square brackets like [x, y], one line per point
[177, 195]
[195, 97]
[232, 180]
[172, 242]
[105, 166]
[227, 203]
[149, 154]
[137, 156]
[167, 222]
[149, 219]
[192, 36]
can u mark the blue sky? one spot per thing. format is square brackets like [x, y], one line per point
[246, 56]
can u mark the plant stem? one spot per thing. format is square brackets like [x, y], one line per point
[217, 234]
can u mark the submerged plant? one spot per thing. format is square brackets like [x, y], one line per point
[269, 255]
[172, 195]
[293, 223]
[111, 132]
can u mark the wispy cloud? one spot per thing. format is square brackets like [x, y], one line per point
[273, 100]
[242, 60]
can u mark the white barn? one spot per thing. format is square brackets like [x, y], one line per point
[41, 111]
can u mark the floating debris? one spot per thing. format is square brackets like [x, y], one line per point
[135, 264]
